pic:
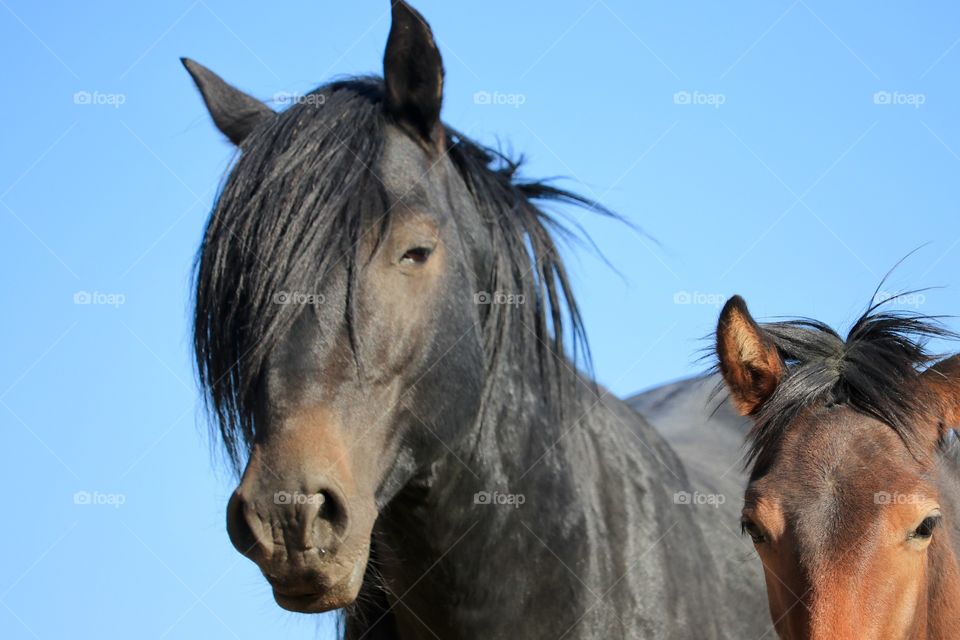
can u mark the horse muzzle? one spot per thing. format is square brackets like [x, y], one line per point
[310, 540]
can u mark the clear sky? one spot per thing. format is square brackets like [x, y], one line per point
[790, 151]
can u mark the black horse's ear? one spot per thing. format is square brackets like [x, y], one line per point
[749, 361]
[235, 113]
[413, 74]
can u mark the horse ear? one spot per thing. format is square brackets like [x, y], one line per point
[413, 75]
[944, 379]
[235, 113]
[750, 363]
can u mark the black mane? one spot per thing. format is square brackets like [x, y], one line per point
[874, 371]
[295, 205]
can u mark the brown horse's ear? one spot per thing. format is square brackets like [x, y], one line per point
[235, 113]
[749, 361]
[413, 75]
[944, 379]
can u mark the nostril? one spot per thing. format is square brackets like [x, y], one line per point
[328, 506]
[326, 525]
[244, 528]
[333, 510]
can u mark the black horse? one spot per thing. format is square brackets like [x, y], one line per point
[381, 325]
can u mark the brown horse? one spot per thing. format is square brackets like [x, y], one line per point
[854, 489]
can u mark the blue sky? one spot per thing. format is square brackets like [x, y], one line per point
[790, 151]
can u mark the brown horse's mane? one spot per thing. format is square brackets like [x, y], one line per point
[875, 371]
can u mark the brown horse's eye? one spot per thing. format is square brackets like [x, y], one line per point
[750, 528]
[925, 530]
[417, 255]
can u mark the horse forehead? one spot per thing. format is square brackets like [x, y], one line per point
[405, 169]
[832, 476]
[841, 448]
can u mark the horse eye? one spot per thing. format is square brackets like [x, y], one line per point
[925, 530]
[417, 255]
[750, 528]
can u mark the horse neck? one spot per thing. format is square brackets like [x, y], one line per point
[441, 519]
[532, 435]
[571, 493]
[518, 443]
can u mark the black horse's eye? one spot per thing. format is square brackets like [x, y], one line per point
[417, 255]
[750, 528]
[925, 530]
